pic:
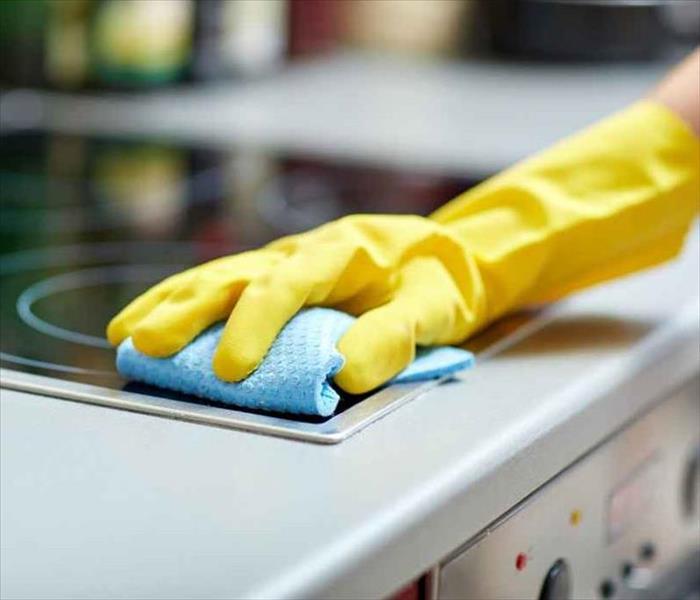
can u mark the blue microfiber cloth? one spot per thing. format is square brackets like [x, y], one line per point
[295, 374]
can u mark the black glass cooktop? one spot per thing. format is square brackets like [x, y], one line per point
[88, 223]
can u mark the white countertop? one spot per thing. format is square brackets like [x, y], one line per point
[98, 502]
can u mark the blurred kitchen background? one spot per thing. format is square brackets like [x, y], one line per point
[230, 122]
[149, 44]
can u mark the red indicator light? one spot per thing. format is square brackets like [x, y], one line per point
[521, 561]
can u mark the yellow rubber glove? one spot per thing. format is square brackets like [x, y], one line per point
[613, 199]
[424, 288]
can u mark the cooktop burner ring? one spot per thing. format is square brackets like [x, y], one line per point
[82, 266]
[74, 280]
[81, 203]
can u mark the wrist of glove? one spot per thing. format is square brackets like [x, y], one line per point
[407, 278]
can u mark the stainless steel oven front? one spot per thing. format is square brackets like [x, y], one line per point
[621, 522]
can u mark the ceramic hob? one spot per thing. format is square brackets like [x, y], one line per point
[89, 223]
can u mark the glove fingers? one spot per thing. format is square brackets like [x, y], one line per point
[262, 310]
[123, 324]
[428, 294]
[380, 344]
[374, 295]
[427, 308]
[320, 276]
[172, 313]
[184, 314]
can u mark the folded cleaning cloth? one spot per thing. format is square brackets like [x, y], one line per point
[295, 375]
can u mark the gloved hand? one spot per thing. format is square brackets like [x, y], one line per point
[409, 278]
[613, 199]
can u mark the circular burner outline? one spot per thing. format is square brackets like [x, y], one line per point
[75, 280]
[58, 256]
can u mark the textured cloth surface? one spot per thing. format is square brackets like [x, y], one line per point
[294, 376]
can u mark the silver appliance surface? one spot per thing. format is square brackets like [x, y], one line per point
[330, 431]
[623, 521]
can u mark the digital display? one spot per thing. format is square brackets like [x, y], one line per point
[629, 501]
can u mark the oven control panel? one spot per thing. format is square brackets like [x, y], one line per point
[622, 522]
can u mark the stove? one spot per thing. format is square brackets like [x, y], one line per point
[568, 468]
[88, 223]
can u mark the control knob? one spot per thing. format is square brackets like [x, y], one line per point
[557, 582]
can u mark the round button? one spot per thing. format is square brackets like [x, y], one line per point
[607, 589]
[557, 582]
[521, 561]
[647, 552]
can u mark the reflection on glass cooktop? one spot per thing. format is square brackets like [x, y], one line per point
[86, 224]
